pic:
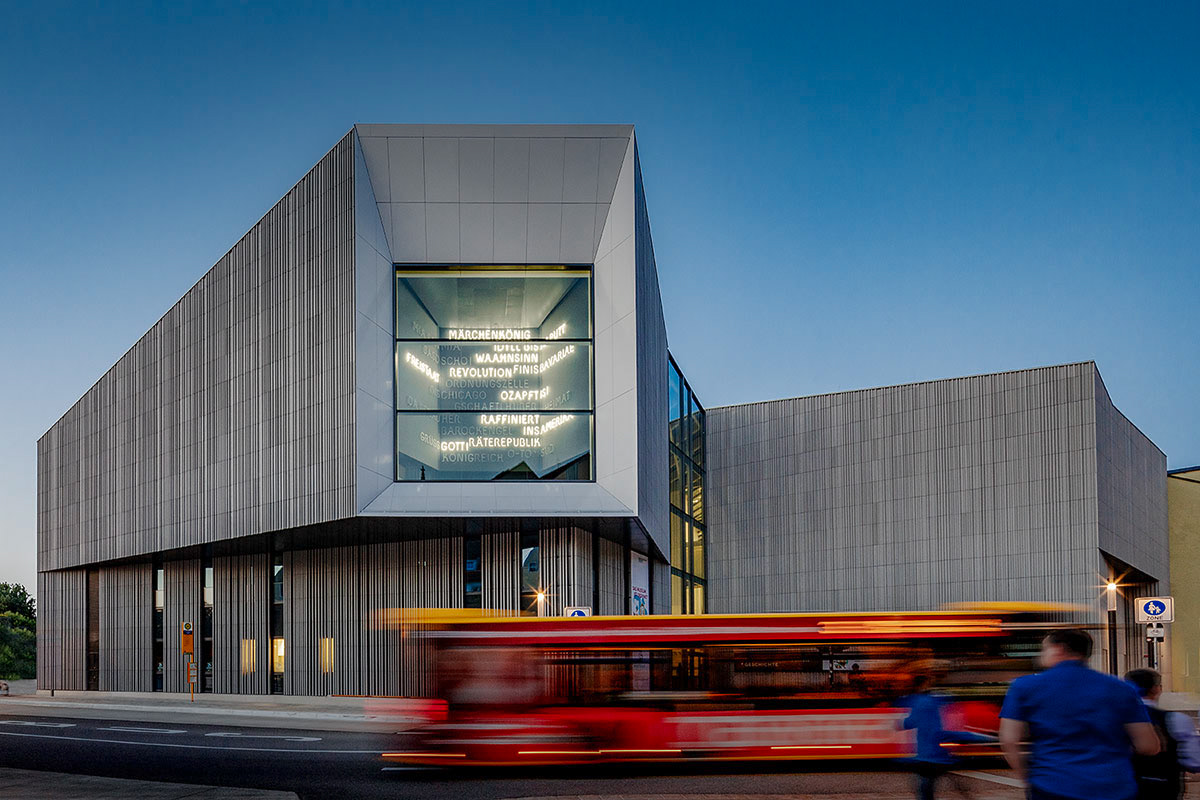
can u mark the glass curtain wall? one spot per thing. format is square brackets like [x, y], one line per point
[160, 597]
[689, 573]
[206, 627]
[278, 641]
[493, 374]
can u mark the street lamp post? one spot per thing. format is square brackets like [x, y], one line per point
[1112, 627]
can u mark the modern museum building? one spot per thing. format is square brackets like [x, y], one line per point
[436, 375]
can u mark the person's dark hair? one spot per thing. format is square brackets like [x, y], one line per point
[1144, 680]
[1074, 640]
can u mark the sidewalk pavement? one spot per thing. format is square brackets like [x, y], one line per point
[33, 785]
[370, 714]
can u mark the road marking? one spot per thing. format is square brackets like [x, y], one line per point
[143, 730]
[1003, 780]
[257, 736]
[38, 724]
[185, 746]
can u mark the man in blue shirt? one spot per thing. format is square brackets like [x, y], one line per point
[1083, 726]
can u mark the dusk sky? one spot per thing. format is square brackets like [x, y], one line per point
[841, 195]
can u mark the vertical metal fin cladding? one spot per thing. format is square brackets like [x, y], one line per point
[612, 578]
[566, 566]
[660, 589]
[126, 607]
[975, 488]
[241, 632]
[501, 572]
[182, 604]
[431, 576]
[380, 663]
[233, 415]
[62, 629]
[334, 644]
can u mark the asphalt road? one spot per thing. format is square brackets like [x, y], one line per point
[324, 764]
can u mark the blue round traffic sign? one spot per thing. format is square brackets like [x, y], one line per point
[1154, 608]
[577, 612]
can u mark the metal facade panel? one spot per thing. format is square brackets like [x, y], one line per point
[62, 629]
[374, 332]
[615, 304]
[241, 629]
[651, 347]
[234, 414]
[1131, 492]
[126, 609]
[478, 193]
[905, 496]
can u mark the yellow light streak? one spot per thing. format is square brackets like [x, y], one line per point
[812, 747]
[892, 627]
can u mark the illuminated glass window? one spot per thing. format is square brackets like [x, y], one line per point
[248, 656]
[278, 654]
[493, 374]
[685, 419]
[325, 651]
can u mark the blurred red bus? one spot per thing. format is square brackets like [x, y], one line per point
[523, 690]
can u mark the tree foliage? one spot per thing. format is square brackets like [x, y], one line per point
[18, 633]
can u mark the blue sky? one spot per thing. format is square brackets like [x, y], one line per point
[842, 195]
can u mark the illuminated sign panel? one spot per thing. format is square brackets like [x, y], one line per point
[493, 374]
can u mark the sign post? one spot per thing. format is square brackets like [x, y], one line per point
[1153, 612]
[187, 648]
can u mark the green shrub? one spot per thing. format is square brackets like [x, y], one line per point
[18, 633]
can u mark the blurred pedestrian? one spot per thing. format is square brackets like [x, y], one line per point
[1160, 777]
[933, 761]
[1083, 726]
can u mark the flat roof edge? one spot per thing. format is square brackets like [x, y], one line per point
[909, 383]
[500, 131]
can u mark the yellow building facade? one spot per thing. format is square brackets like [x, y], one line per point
[1183, 513]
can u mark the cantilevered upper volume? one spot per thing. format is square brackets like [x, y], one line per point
[266, 399]
[520, 195]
